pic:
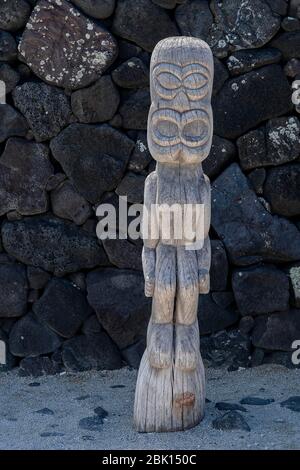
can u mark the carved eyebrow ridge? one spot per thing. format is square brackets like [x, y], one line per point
[179, 71]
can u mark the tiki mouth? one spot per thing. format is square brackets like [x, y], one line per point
[185, 399]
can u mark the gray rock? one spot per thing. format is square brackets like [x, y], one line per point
[68, 204]
[29, 338]
[46, 108]
[278, 6]
[231, 421]
[221, 153]
[85, 49]
[131, 74]
[33, 296]
[294, 8]
[250, 233]
[257, 401]
[52, 244]
[257, 357]
[294, 277]
[225, 406]
[13, 14]
[45, 411]
[283, 139]
[134, 110]
[55, 180]
[132, 186]
[257, 178]
[195, 18]
[290, 24]
[99, 9]
[246, 324]
[37, 278]
[13, 294]
[282, 189]
[220, 75]
[169, 4]
[213, 317]
[62, 307]
[133, 353]
[117, 296]
[280, 357]
[97, 103]
[252, 149]
[142, 22]
[91, 352]
[277, 331]
[12, 123]
[24, 171]
[99, 411]
[244, 61]
[127, 50]
[226, 348]
[269, 92]
[233, 30]
[219, 266]
[92, 326]
[9, 76]
[140, 157]
[39, 366]
[94, 157]
[8, 47]
[289, 44]
[78, 280]
[226, 26]
[292, 403]
[91, 423]
[292, 68]
[124, 254]
[261, 289]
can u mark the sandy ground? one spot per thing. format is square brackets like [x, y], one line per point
[69, 398]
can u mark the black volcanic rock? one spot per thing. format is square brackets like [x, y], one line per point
[249, 232]
[247, 100]
[94, 157]
[52, 244]
[117, 296]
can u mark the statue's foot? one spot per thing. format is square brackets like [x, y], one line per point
[187, 346]
[160, 345]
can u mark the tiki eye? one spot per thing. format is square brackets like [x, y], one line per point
[167, 129]
[195, 81]
[168, 80]
[195, 131]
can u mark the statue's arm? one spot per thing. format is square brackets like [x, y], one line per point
[150, 233]
[204, 254]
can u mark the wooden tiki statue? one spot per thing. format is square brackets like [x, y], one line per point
[170, 391]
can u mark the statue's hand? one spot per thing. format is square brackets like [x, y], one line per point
[204, 283]
[149, 259]
[149, 288]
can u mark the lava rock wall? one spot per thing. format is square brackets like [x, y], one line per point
[73, 135]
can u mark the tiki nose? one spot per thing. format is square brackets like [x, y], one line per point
[181, 102]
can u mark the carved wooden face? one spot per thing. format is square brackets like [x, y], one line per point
[180, 123]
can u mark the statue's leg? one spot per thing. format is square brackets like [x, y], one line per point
[160, 330]
[187, 343]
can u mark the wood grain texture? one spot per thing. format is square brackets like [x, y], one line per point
[170, 390]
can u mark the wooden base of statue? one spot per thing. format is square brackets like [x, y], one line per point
[168, 399]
